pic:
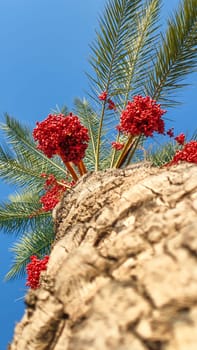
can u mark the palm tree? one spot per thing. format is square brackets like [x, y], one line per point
[129, 56]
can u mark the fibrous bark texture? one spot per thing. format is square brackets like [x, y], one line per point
[122, 273]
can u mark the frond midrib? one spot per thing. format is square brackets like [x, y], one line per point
[107, 87]
[176, 58]
[139, 47]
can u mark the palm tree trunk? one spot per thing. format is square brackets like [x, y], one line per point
[122, 274]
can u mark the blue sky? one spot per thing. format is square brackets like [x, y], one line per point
[44, 54]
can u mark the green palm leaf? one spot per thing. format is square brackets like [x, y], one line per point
[36, 243]
[108, 51]
[109, 48]
[21, 141]
[18, 170]
[22, 164]
[194, 136]
[176, 55]
[141, 39]
[163, 154]
[90, 120]
[122, 52]
[23, 212]
[63, 110]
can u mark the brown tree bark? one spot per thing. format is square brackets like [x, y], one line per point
[122, 273]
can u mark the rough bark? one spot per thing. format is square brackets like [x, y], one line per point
[122, 272]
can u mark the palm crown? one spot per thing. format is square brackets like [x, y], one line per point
[129, 57]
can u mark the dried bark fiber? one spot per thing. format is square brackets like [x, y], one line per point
[123, 271]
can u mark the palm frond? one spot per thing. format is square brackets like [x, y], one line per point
[23, 212]
[63, 110]
[90, 120]
[20, 171]
[176, 55]
[162, 154]
[20, 139]
[194, 136]
[108, 51]
[141, 41]
[36, 243]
